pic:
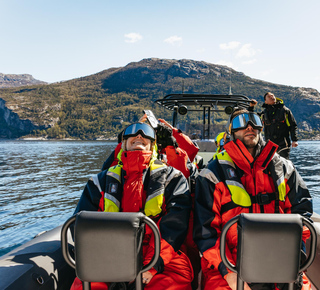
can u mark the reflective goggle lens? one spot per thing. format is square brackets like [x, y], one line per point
[139, 128]
[221, 142]
[241, 121]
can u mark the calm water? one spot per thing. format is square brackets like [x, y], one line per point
[41, 182]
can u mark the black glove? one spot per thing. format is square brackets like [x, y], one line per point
[164, 136]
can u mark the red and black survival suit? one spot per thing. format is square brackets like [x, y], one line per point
[235, 183]
[143, 184]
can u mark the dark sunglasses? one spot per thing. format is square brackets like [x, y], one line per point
[241, 122]
[139, 128]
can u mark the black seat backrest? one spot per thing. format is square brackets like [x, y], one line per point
[113, 254]
[108, 246]
[269, 247]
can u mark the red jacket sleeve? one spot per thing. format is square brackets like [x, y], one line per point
[185, 143]
[178, 159]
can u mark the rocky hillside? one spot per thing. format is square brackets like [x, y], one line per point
[12, 80]
[98, 106]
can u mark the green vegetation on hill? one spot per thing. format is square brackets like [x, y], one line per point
[100, 105]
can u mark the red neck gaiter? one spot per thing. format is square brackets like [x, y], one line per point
[134, 165]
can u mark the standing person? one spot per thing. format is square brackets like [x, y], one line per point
[278, 123]
[248, 177]
[141, 183]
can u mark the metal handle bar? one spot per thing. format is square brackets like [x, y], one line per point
[142, 217]
[303, 267]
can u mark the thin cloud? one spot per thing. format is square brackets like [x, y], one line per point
[174, 40]
[132, 37]
[251, 61]
[230, 45]
[246, 51]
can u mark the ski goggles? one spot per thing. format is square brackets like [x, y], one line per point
[241, 122]
[139, 128]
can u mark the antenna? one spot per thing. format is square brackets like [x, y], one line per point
[230, 91]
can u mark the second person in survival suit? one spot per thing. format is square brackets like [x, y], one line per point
[247, 177]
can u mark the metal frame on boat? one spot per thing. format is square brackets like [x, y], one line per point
[205, 103]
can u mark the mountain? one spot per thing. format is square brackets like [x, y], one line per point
[12, 80]
[100, 105]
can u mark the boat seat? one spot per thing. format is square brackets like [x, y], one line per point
[108, 246]
[269, 248]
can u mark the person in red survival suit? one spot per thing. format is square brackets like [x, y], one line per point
[249, 176]
[177, 150]
[142, 183]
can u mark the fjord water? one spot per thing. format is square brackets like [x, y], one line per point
[41, 182]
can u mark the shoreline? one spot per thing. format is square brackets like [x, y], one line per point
[98, 139]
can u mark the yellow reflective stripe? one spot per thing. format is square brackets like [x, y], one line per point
[111, 204]
[119, 154]
[238, 193]
[115, 172]
[155, 167]
[154, 204]
[287, 120]
[154, 153]
[154, 201]
[224, 158]
[281, 188]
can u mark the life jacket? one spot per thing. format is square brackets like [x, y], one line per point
[255, 170]
[154, 195]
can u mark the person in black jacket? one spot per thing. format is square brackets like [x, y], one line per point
[279, 122]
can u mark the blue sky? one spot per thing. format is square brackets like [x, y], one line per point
[276, 40]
